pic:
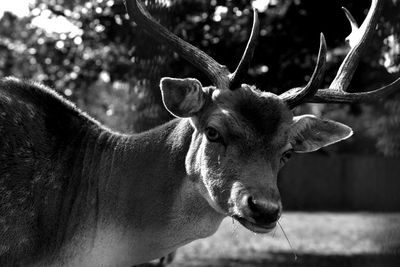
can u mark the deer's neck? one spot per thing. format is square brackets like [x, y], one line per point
[136, 196]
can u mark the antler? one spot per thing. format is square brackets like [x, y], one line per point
[244, 63]
[217, 73]
[295, 96]
[358, 40]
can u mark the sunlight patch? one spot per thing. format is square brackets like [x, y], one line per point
[57, 24]
[19, 8]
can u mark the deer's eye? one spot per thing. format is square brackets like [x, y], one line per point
[212, 134]
[286, 156]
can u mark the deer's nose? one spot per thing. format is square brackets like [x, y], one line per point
[263, 211]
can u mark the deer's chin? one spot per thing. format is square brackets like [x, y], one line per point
[254, 227]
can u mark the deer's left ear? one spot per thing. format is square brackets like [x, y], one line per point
[309, 133]
[182, 97]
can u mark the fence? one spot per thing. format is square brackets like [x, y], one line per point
[341, 182]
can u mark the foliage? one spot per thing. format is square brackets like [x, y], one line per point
[111, 69]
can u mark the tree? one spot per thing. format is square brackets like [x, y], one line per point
[110, 68]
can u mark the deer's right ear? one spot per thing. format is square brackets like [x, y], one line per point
[182, 97]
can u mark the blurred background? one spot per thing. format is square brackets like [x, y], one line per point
[342, 202]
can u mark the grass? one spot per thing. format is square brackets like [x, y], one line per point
[319, 239]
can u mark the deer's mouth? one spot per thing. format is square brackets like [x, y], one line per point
[255, 227]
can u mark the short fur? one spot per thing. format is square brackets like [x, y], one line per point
[61, 174]
[260, 115]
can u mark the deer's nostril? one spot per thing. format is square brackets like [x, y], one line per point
[264, 211]
[252, 205]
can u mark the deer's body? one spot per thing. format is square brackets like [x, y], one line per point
[71, 188]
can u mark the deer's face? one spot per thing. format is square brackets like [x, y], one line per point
[240, 141]
[238, 147]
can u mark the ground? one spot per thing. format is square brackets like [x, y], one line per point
[318, 239]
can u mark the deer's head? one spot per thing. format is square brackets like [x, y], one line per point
[243, 136]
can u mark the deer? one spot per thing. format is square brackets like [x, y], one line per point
[75, 193]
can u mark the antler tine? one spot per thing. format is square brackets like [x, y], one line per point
[217, 73]
[330, 96]
[353, 25]
[358, 40]
[244, 63]
[295, 96]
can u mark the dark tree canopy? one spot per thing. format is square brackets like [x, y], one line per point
[111, 69]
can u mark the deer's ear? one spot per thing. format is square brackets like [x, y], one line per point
[182, 97]
[309, 133]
